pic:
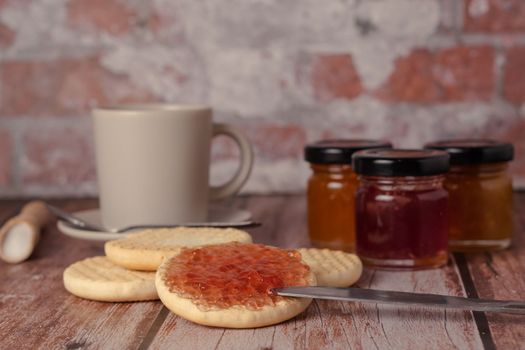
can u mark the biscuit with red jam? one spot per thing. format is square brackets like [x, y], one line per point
[229, 285]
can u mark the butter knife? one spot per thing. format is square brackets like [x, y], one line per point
[403, 298]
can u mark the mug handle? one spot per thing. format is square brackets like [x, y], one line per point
[243, 172]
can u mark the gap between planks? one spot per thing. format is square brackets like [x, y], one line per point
[480, 318]
[154, 329]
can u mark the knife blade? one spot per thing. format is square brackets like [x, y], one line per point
[403, 298]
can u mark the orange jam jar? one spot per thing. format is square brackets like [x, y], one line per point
[331, 191]
[480, 190]
[402, 208]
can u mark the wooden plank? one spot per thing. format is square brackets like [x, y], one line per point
[501, 275]
[9, 208]
[410, 327]
[337, 325]
[284, 220]
[266, 210]
[37, 312]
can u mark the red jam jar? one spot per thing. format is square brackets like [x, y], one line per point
[401, 208]
[331, 191]
[480, 189]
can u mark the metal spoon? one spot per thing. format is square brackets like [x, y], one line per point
[75, 222]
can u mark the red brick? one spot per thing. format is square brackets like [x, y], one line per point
[62, 87]
[494, 16]
[7, 36]
[447, 75]
[273, 140]
[514, 75]
[5, 158]
[58, 156]
[335, 77]
[109, 16]
[345, 131]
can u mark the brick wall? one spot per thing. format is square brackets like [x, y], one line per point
[287, 72]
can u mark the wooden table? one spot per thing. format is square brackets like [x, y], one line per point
[37, 312]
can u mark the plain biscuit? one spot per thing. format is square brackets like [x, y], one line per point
[333, 268]
[146, 250]
[99, 279]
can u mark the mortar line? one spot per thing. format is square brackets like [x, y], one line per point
[459, 15]
[500, 63]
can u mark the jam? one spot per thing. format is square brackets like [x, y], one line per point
[331, 192]
[234, 274]
[480, 191]
[402, 208]
[404, 220]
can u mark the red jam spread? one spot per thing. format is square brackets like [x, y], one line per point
[234, 274]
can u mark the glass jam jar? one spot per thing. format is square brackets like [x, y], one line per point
[480, 191]
[331, 191]
[401, 208]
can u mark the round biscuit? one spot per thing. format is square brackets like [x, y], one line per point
[97, 278]
[145, 250]
[332, 268]
[233, 317]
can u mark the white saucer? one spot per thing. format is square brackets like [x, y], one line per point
[217, 214]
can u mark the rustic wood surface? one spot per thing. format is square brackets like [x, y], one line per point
[502, 276]
[37, 312]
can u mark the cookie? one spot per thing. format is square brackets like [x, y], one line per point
[223, 286]
[97, 278]
[332, 268]
[145, 250]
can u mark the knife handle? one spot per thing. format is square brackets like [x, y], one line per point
[20, 234]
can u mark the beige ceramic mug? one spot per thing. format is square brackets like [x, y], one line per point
[153, 163]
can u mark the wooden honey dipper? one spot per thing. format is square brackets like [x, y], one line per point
[20, 234]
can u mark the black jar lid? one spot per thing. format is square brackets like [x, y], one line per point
[339, 151]
[472, 151]
[401, 162]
